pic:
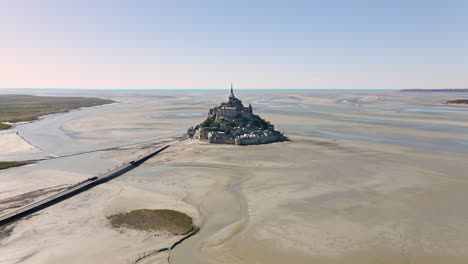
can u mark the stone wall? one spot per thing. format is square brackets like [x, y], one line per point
[258, 140]
[220, 138]
[227, 112]
[222, 141]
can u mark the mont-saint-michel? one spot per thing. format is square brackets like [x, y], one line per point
[234, 123]
[121, 141]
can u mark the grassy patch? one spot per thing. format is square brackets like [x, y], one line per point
[458, 101]
[153, 220]
[11, 164]
[18, 108]
[4, 126]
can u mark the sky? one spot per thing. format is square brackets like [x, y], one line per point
[339, 44]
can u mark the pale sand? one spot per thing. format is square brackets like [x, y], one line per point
[77, 231]
[12, 145]
[315, 199]
[332, 202]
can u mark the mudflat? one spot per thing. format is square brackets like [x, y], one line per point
[367, 177]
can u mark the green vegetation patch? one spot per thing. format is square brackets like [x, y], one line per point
[18, 108]
[153, 220]
[458, 101]
[223, 125]
[4, 126]
[11, 164]
[260, 122]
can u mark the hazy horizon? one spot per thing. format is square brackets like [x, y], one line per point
[227, 89]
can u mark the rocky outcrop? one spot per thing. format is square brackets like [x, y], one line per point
[239, 126]
[252, 138]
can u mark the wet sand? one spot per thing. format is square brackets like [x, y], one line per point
[366, 178]
[12, 145]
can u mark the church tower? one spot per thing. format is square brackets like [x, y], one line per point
[232, 93]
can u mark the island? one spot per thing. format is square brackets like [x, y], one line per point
[233, 123]
[458, 101]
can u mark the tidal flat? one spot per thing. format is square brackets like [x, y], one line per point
[367, 177]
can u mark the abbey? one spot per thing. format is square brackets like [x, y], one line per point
[231, 109]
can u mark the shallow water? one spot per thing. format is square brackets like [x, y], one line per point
[409, 118]
[53, 140]
[453, 145]
[435, 110]
[48, 134]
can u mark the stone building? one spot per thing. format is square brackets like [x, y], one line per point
[231, 109]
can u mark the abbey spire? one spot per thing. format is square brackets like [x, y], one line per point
[232, 92]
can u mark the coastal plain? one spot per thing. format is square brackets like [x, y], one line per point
[366, 177]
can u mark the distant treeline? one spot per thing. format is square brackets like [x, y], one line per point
[436, 90]
[458, 101]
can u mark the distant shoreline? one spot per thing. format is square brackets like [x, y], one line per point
[17, 108]
[436, 90]
[458, 101]
[245, 89]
